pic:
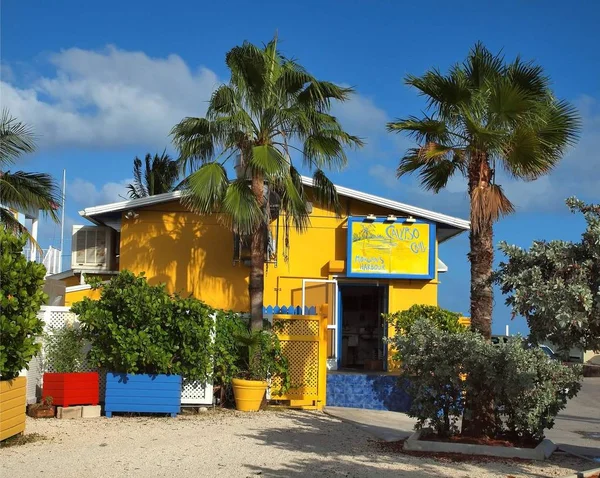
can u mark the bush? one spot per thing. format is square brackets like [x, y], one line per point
[531, 389]
[227, 358]
[138, 328]
[445, 368]
[64, 348]
[21, 297]
[441, 319]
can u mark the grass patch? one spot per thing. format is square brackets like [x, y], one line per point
[19, 440]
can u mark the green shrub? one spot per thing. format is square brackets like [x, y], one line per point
[64, 348]
[433, 361]
[138, 328]
[227, 357]
[21, 297]
[444, 368]
[440, 318]
[531, 389]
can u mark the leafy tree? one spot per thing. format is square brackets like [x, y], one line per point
[483, 114]
[436, 316]
[22, 190]
[270, 106]
[556, 285]
[159, 176]
[21, 295]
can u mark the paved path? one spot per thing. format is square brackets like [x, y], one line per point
[577, 427]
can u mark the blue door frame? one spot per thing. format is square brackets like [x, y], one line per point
[340, 305]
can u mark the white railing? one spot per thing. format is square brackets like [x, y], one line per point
[193, 392]
[51, 258]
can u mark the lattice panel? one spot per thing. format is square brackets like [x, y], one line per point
[297, 327]
[55, 319]
[303, 358]
[195, 392]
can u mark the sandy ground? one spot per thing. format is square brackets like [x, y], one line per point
[231, 444]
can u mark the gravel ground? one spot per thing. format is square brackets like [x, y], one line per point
[231, 444]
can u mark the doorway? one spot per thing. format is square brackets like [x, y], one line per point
[362, 327]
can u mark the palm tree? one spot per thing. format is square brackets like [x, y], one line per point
[486, 113]
[22, 190]
[270, 106]
[159, 176]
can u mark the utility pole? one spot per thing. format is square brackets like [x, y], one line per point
[62, 219]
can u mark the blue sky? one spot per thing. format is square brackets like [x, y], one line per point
[102, 82]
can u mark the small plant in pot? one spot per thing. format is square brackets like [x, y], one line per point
[42, 409]
[262, 363]
[69, 383]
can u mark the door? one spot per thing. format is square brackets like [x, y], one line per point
[326, 292]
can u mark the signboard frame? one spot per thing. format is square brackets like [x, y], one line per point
[378, 275]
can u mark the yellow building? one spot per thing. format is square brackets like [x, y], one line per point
[380, 256]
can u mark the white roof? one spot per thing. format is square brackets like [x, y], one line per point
[451, 221]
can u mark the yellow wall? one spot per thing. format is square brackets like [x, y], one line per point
[193, 254]
[76, 296]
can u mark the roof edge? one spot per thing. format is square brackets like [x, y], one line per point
[456, 222]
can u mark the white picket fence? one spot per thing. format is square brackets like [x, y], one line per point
[193, 392]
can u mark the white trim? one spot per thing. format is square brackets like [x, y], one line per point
[441, 266]
[77, 288]
[342, 191]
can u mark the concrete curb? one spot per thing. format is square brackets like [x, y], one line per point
[584, 474]
[540, 452]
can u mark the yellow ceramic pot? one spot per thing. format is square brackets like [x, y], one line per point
[13, 401]
[249, 394]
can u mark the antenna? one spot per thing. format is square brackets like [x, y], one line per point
[62, 219]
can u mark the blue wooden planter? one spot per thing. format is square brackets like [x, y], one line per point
[142, 393]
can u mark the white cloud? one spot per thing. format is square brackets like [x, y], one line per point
[86, 194]
[110, 98]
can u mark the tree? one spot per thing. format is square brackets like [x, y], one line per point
[270, 106]
[22, 190]
[159, 176]
[556, 285]
[486, 113]
[21, 295]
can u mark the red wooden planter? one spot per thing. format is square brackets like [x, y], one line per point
[66, 389]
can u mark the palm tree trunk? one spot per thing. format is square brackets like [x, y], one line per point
[257, 262]
[481, 253]
[478, 418]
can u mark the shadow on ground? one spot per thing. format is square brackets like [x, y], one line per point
[344, 450]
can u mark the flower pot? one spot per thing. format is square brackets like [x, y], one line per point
[39, 412]
[13, 401]
[66, 389]
[249, 394]
[127, 392]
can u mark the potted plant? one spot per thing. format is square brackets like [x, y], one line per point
[261, 363]
[42, 409]
[69, 383]
[147, 339]
[21, 296]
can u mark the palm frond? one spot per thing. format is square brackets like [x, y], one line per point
[206, 189]
[240, 209]
[424, 130]
[268, 161]
[325, 192]
[487, 205]
[136, 189]
[435, 163]
[11, 223]
[195, 139]
[23, 191]
[16, 139]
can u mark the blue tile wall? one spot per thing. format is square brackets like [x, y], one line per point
[370, 391]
